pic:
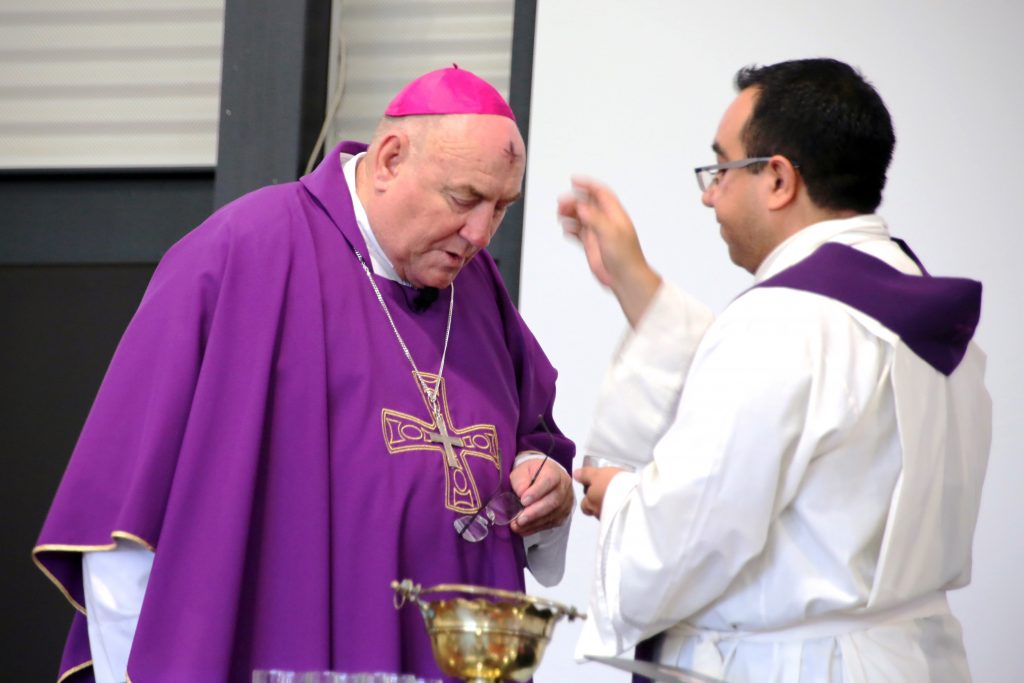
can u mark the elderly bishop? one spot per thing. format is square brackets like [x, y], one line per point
[321, 380]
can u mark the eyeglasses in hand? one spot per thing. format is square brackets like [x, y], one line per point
[501, 509]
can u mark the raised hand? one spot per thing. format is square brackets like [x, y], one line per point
[593, 215]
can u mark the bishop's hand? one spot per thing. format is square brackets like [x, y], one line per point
[547, 502]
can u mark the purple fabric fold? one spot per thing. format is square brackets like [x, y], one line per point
[260, 427]
[934, 316]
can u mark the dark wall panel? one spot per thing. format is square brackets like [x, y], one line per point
[273, 92]
[507, 245]
[60, 327]
[99, 216]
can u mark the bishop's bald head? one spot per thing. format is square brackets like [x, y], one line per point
[444, 165]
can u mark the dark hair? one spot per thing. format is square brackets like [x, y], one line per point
[822, 115]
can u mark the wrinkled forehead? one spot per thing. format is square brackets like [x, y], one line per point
[491, 143]
[486, 132]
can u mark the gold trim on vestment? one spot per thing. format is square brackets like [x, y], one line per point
[73, 670]
[479, 441]
[68, 548]
[134, 539]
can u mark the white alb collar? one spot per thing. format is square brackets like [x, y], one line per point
[379, 262]
[854, 231]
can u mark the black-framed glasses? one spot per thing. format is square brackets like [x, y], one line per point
[709, 175]
[502, 508]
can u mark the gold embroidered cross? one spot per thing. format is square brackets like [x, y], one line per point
[404, 432]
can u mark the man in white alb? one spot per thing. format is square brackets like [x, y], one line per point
[802, 473]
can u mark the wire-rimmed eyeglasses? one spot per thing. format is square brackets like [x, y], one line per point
[709, 175]
[502, 508]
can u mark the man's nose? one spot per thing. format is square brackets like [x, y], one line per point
[478, 227]
[708, 197]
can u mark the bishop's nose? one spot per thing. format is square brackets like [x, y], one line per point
[477, 228]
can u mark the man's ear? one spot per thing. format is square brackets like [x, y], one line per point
[390, 152]
[782, 179]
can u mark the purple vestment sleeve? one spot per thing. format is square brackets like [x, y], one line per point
[260, 429]
[536, 380]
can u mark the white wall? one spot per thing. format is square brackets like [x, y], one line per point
[631, 93]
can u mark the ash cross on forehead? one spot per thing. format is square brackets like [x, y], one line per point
[511, 153]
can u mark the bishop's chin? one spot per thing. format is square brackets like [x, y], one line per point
[438, 281]
[443, 276]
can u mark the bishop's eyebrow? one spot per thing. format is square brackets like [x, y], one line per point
[717, 149]
[477, 194]
[466, 189]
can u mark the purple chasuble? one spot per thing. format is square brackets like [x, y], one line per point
[934, 316]
[261, 429]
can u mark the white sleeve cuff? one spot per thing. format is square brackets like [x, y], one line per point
[601, 634]
[545, 550]
[545, 553]
[115, 584]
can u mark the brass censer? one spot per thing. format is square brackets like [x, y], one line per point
[500, 636]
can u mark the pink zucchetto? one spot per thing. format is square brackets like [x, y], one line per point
[449, 91]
